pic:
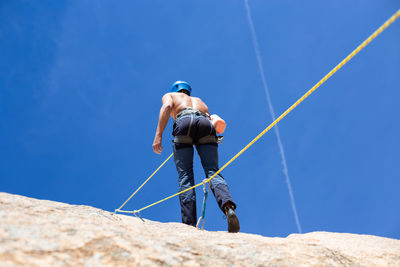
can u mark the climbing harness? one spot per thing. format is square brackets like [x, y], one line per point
[187, 139]
[189, 111]
[308, 93]
[203, 208]
[184, 139]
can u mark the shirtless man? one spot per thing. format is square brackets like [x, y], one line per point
[192, 126]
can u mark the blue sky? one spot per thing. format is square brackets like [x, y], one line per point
[81, 85]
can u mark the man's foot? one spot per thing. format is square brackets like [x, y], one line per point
[233, 221]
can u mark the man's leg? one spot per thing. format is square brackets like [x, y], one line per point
[183, 157]
[209, 159]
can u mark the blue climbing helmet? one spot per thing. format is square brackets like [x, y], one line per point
[181, 85]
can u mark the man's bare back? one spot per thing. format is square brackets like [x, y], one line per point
[173, 103]
[181, 101]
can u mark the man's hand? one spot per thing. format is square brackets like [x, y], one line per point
[157, 145]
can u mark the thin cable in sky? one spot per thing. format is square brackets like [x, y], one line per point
[272, 112]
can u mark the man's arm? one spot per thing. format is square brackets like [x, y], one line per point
[165, 112]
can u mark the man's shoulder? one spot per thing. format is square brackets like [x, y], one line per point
[196, 98]
[167, 95]
[172, 94]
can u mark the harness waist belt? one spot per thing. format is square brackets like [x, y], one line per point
[188, 111]
[183, 139]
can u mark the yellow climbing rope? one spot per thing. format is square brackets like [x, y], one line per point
[333, 71]
[134, 193]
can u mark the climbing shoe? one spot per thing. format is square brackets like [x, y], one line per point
[233, 221]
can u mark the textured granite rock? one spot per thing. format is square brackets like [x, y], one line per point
[47, 233]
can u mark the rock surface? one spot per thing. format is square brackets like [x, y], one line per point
[47, 233]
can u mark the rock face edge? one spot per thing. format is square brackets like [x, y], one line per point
[47, 233]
